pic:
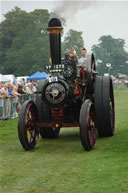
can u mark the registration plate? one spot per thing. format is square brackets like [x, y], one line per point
[53, 79]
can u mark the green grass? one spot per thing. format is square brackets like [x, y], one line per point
[61, 165]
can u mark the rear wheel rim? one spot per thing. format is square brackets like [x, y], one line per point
[90, 125]
[112, 109]
[87, 125]
[31, 132]
[93, 68]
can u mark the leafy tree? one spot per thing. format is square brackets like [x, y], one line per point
[24, 42]
[73, 40]
[110, 50]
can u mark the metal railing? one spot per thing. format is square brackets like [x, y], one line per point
[117, 86]
[10, 107]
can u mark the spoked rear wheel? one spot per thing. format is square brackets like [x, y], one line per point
[90, 67]
[27, 129]
[90, 72]
[87, 125]
[104, 105]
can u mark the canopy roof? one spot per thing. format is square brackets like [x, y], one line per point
[38, 76]
[3, 78]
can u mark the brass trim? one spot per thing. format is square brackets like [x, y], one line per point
[54, 30]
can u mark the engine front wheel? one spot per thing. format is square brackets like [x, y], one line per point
[44, 116]
[27, 130]
[87, 125]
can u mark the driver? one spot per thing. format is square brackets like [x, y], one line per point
[82, 60]
[70, 54]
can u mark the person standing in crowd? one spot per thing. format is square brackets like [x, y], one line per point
[12, 90]
[9, 89]
[29, 87]
[5, 90]
[23, 86]
[34, 89]
[82, 60]
[2, 93]
[37, 82]
[21, 89]
[15, 91]
[1, 103]
[5, 103]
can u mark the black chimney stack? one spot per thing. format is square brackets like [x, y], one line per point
[54, 30]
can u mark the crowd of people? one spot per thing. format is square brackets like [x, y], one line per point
[7, 90]
[120, 79]
[12, 96]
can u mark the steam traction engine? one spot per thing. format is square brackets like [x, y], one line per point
[73, 96]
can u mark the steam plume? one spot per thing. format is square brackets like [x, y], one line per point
[68, 8]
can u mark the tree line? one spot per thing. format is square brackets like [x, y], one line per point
[24, 45]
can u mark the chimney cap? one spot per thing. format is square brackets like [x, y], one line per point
[54, 22]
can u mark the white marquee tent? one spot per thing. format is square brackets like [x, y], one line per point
[3, 78]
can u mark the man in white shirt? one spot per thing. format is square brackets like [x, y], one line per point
[82, 60]
[29, 88]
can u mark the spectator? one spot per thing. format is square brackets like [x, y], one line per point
[5, 104]
[1, 103]
[37, 82]
[29, 88]
[12, 90]
[2, 93]
[21, 89]
[23, 86]
[34, 89]
[15, 91]
[6, 90]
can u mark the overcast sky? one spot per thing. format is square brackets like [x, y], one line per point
[93, 18]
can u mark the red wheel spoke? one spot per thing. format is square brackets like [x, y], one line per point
[28, 133]
[92, 128]
[87, 125]
[32, 136]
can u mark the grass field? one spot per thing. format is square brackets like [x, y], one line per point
[61, 165]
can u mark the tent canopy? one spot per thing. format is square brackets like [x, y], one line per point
[3, 78]
[38, 76]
